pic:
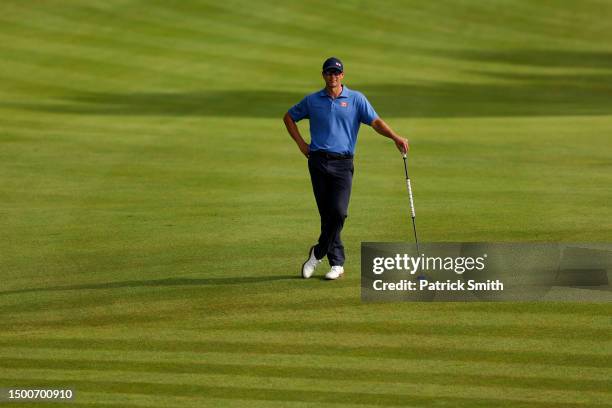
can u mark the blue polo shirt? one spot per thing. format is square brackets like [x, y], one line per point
[334, 123]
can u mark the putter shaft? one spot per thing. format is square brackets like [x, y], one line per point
[412, 212]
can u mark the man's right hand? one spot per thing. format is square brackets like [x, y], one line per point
[401, 144]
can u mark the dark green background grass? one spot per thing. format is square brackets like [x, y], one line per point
[154, 213]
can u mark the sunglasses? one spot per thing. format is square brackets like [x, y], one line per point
[332, 72]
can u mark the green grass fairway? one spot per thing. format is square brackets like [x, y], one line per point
[154, 213]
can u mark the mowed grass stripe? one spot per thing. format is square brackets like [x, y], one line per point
[37, 313]
[20, 88]
[68, 25]
[83, 62]
[431, 135]
[112, 311]
[308, 372]
[186, 133]
[121, 294]
[327, 346]
[472, 324]
[311, 396]
[538, 309]
[175, 42]
[93, 59]
[300, 34]
[592, 347]
[522, 23]
[361, 390]
[244, 28]
[446, 22]
[153, 56]
[427, 316]
[232, 22]
[247, 358]
[44, 313]
[174, 137]
[73, 81]
[151, 24]
[246, 37]
[313, 297]
[22, 315]
[105, 72]
[396, 43]
[30, 34]
[354, 20]
[426, 329]
[92, 399]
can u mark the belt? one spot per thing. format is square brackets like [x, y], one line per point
[330, 156]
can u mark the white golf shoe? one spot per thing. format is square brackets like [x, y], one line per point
[310, 265]
[335, 273]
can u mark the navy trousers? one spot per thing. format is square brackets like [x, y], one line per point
[331, 183]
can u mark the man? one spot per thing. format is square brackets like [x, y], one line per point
[335, 114]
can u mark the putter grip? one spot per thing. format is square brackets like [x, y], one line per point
[410, 195]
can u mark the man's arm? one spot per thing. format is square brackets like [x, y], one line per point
[295, 134]
[381, 127]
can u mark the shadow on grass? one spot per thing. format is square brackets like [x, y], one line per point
[528, 95]
[531, 57]
[158, 282]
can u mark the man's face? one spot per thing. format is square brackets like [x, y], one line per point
[333, 78]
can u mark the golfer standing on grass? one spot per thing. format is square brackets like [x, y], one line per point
[335, 114]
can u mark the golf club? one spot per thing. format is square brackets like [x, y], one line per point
[411, 202]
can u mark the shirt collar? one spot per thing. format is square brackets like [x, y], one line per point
[343, 94]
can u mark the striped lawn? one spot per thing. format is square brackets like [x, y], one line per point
[154, 213]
